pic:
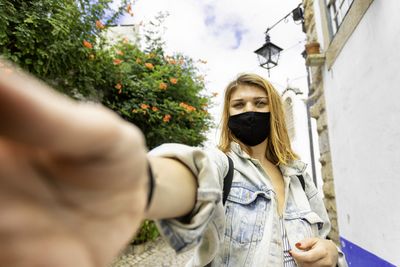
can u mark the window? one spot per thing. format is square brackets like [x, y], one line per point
[337, 10]
[340, 19]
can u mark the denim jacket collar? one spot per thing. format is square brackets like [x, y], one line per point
[294, 167]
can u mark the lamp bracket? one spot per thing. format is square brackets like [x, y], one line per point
[297, 14]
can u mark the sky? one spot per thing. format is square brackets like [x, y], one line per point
[225, 33]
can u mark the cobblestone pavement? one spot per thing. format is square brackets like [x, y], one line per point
[152, 254]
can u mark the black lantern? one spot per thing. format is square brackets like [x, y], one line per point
[268, 54]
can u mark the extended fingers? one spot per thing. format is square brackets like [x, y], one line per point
[34, 114]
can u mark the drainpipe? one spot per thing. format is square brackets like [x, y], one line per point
[310, 133]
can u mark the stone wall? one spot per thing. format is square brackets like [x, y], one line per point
[317, 105]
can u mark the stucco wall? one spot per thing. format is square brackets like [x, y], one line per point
[362, 92]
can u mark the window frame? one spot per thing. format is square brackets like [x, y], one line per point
[334, 43]
[337, 11]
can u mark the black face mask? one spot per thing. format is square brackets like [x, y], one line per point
[251, 128]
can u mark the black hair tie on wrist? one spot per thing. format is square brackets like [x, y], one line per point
[151, 186]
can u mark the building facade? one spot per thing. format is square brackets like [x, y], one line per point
[354, 98]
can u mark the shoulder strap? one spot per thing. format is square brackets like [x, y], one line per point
[303, 184]
[228, 180]
[229, 177]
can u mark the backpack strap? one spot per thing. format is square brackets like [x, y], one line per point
[229, 177]
[228, 180]
[303, 184]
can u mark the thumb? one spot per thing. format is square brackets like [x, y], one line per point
[306, 244]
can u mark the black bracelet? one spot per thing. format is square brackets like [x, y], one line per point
[151, 185]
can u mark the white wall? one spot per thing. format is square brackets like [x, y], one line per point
[362, 92]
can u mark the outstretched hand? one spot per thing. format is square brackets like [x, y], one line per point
[73, 179]
[313, 252]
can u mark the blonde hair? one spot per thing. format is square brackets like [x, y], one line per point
[279, 150]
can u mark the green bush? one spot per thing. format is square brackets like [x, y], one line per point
[147, 232]
[63, 43]
[46, 38]
[160, 94]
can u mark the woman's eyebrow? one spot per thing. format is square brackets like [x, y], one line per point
[254, 98]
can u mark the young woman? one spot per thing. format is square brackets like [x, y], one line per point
[74, 184]
[268, 219]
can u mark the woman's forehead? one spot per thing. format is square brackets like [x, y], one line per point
[248, 91]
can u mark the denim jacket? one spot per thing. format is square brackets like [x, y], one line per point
[246, 231]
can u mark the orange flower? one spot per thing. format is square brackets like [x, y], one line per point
[117, 61]
[129, 9]
[163, 86]
[155, 109]
[149, 66]
[118, 86]
[119, 52]
[170, 60]
[188, 108]
[173, 80]
[144, 106]
[138, 61]
[167, 118]
[181, 62]
[87, 44]
[99, 25]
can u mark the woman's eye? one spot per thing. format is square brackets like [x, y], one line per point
[261, 104]
[238, 105]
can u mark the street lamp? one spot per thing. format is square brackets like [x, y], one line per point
[268, 54]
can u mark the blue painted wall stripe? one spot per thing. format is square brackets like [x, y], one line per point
[359, 257]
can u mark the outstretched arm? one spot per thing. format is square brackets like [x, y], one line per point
[174, 191]
[73, 178]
